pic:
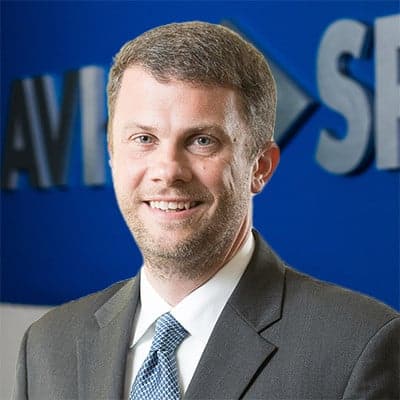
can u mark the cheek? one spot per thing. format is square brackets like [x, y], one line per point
[239, 175]
[229, 178]
[217, 177]
[127, 172]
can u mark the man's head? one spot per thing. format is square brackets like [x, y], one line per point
[183, 100]
[205, 54]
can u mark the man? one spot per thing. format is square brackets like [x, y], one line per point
[191, 118]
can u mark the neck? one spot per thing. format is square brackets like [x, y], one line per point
[173, 290]
[174, 287]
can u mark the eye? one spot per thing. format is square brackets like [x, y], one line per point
[204, 140]
[203, 144]
[143, 139]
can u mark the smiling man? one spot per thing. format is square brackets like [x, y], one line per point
[214, 313]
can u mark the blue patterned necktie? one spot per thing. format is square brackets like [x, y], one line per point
[157, 378]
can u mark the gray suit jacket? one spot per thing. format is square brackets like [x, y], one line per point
[282, 335]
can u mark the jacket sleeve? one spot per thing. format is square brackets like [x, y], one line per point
[21, 381]
[376, 374]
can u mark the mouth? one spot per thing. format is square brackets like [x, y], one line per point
[172, 206]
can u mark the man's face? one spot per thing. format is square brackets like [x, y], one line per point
[180, 170]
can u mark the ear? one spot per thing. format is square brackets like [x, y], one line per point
[264, 166]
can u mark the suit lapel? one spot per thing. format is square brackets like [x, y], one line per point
[237, 351]
[102, 350]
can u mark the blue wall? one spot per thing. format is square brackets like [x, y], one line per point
[61, 243]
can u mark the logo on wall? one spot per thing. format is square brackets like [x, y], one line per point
[43, 122]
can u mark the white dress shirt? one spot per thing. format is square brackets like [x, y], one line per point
[197, 313]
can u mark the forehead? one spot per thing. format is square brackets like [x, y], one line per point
[142, 95]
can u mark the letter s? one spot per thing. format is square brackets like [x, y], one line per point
[342, 39]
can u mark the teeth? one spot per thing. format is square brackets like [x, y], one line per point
[172, 205]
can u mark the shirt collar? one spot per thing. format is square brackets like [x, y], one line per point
[152, 306]
[198, 312]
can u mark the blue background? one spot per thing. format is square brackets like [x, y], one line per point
[62, 243]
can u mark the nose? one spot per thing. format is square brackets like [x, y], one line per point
[170, 165]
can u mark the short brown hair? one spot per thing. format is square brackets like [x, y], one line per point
[204, 54]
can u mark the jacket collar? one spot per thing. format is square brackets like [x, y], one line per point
[102, 351]
[236, 350]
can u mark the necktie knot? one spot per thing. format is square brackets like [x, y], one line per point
[169, 334]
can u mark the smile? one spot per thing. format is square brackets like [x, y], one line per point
[173, 206]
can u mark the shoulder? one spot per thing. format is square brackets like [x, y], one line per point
[327, 312]
[356, 335]
[328, 339]
[327, 299]
[308, 297]
[77, 313]
[315, 308]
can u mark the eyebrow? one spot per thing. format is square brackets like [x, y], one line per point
[206, 128]
[202, 128]
[134, 125]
